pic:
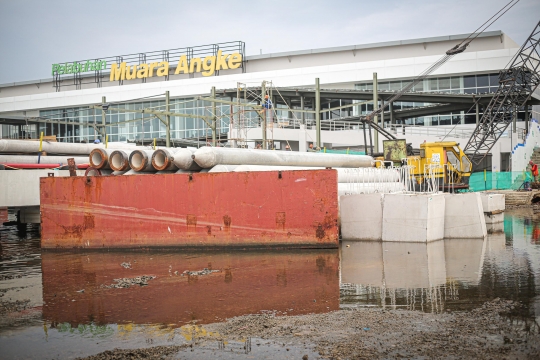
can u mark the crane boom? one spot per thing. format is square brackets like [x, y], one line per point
[516, 85]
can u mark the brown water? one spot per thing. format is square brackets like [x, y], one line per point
[66, 308]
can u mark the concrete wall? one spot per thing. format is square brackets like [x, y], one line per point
[21, 187]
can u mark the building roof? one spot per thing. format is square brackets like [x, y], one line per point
[316, 51]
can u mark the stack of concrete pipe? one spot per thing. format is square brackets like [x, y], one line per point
[26, 152]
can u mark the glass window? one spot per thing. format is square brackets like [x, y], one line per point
[494, 79]
[470, 119]
[383, 86]
[445, 120]
[419, 86]
[444, 83]
[395, 85]
[454, 83]
[482, 90]
[433, 85]
[482, 80]
[469, 81]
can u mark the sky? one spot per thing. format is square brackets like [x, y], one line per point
[34, 34]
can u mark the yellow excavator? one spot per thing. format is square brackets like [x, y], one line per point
[444, 163]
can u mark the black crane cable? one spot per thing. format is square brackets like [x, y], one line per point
[457, 49]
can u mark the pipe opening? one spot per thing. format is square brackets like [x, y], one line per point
[97, 158]
[137, 160]
[117, 160]
[159, 159]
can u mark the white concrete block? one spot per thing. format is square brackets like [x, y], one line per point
[464, 216]
[362, 263]
[413, 217]
[492, 202]
[361, 216]
[494, 219]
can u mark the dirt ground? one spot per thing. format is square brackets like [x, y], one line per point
[494, 331]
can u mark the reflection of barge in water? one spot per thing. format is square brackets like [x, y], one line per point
[251, 209]
[293, 282]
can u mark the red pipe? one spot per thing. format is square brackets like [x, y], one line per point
[38, 166]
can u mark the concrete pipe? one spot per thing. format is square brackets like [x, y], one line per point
[133, 172]
[118, 173]
[222, 168]
[162, 159]
[344, 188]
[33, 159]
[182, 171]
[25, 146]
[119, 160]
[208, 157]
[99, 158]
[344, 175]
[141, 160]
[183, 159]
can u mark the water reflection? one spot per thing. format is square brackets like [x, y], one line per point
[437, 276]
[297, 282]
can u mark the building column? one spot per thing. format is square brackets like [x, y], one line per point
[375, 118]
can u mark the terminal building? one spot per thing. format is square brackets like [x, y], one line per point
[67, 104]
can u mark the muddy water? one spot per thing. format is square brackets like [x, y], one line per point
[64, 305]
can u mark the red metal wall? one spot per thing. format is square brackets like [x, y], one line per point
[252, 209]
[294, 281]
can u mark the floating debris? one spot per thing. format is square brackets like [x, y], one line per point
[127, 282]
[204, 271]
[126, 265]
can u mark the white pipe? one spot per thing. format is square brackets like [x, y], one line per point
[183, 159]
[99, 158]
[117, 173]
[119, 160]
[162, 159]
[33, 159]
[222, 168]
[208, 157]
[346, 188]
[133, 172]
[345, 175]
[141, 160]
[32, 146]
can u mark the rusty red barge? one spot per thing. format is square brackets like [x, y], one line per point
[293, 209]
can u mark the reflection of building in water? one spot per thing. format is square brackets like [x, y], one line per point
[293, 282]
[413, 275]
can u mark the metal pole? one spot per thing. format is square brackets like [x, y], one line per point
[526, 120]
[365, 140]
[263, 115]
[214, 118]
[104, 128]
[303, 115]
[370, 139]
[168, 120]
[392, 118]
[514, 120]
[375, 118]
[318, 112]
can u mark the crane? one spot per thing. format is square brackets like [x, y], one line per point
[516, 84]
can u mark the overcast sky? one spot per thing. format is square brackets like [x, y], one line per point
[35, 33]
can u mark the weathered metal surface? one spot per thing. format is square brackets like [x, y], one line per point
[296, 282]
[72, 167]
[253, 209]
